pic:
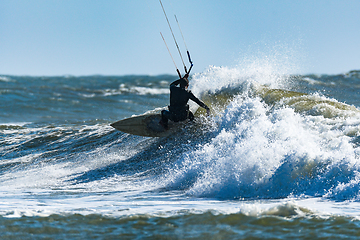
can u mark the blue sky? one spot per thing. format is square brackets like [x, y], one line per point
[120, 37]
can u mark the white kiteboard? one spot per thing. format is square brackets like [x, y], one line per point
[146, 125]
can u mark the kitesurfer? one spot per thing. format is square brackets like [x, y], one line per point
[179, 108]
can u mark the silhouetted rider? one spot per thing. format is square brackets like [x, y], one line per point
[179, 108]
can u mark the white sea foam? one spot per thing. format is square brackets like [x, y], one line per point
[5, 79]
[259, 150]
[20, 124]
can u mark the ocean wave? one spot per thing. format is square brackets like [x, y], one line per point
[13, 125]
[136, 90]
[283, 221]
[5, 79]
[272, 143]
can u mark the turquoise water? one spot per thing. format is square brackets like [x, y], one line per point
[269, 163]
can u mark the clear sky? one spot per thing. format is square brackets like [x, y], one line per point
[120, 37]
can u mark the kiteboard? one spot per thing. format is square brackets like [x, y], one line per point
[147, 125]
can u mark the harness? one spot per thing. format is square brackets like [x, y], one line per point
[179, 113]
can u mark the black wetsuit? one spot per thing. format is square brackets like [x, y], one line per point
[179, 108]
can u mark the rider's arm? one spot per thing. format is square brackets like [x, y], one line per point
[177, 82]
[199, 102]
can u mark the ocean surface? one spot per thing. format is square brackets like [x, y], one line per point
[278, 158]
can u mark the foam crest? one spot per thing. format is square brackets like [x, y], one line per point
[265, 151]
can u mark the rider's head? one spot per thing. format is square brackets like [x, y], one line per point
[184, 82]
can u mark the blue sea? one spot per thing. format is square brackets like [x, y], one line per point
[278, 158]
